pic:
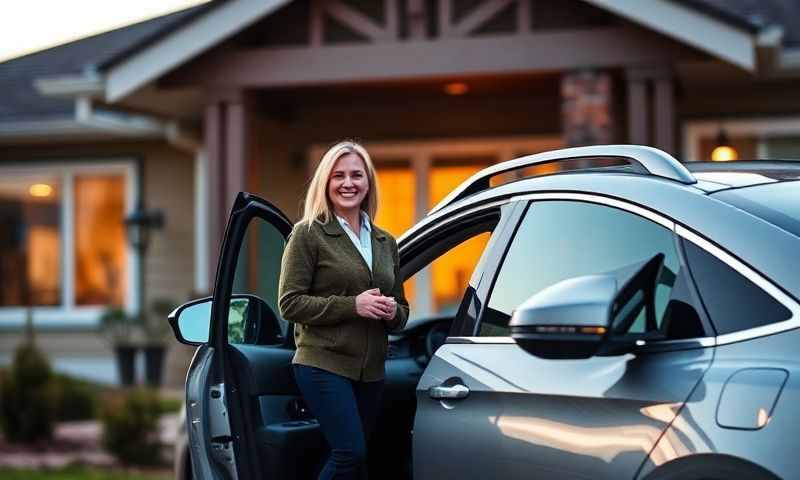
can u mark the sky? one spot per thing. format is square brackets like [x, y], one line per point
[30, 25]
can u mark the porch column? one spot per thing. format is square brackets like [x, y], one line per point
[651, 107]
[226, 146]
[586, 108]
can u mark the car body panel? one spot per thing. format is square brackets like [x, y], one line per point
[527, 417]
[773, 446]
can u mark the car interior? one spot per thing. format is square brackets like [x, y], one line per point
[288, 439]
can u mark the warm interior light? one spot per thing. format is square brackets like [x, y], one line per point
[724, 152]
[40, 190]
[456, 88]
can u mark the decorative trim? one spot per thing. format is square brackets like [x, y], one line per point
[689, 26]
[183, 44]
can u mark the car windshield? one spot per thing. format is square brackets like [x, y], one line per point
[777, 203]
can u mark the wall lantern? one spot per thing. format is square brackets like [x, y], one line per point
[140, 223]
[724, 151]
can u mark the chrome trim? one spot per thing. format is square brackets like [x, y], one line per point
[427, 221]
[653, 160]
[759, 280]
[480, 340]
[586, 197]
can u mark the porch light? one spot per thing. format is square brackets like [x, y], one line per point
[724, 152]
[140, 223]
[40, 190]
[456, 88]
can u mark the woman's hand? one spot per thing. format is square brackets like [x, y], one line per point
[371, 304]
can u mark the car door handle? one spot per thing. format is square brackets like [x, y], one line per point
[452, 392]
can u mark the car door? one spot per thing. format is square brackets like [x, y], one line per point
[488, 409]
[245, 415]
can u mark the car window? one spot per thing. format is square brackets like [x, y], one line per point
[439, 266]
[257, 272]
[733, 302]
[557, 240]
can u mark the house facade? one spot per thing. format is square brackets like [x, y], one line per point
[180, 113]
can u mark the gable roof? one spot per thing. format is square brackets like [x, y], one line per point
[19, 99]
[125, 59]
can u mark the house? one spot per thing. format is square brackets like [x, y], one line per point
[180, 112]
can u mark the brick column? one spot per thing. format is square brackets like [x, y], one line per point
[586, 108]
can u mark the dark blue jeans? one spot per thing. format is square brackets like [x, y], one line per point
[346, 410]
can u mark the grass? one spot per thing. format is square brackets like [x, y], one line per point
[79, 473]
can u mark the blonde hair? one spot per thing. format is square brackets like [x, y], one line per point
[317, 205]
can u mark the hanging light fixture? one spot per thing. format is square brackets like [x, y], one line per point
[724, 151]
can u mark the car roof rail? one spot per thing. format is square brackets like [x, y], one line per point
[651, 161]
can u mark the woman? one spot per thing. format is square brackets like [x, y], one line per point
[340, 284]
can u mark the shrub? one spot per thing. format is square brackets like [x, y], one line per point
[27, 397]
[75, 399]
[130, 427]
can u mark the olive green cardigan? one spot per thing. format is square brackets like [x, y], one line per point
[322, 272]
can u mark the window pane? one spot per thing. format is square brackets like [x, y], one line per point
[733, 302]
[257, 271]
[100, 252]
[559, 240]
[30, 241]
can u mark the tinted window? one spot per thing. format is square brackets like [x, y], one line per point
[733, 302]
[558, 240]
[777, 203]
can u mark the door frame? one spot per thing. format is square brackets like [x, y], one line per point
[245, 208]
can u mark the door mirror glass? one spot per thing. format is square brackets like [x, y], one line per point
[191, 322]
[250, 321]
[588, 315]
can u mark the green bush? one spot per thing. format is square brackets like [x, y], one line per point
[27, 397]
[130, 427]
[75, 399]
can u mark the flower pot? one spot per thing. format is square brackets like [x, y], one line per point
[154, 364]
[126, 356]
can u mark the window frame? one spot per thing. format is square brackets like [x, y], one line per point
[423, 236]
[710, 339]
[68, 314]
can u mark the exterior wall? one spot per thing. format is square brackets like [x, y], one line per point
[169, 270]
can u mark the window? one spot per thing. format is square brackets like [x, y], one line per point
[63, 248]
[258, 269]
[558, 240]
[733, 302]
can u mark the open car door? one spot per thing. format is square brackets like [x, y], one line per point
[245, 415]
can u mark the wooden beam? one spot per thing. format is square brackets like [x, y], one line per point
[524, 16]
[316, 28]
[416, 19]
[352, 18]
[478, 16]
[501, 54]
[213, 140]
[445, 16]
[391, 13]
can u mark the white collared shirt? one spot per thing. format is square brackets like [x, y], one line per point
[362, 242]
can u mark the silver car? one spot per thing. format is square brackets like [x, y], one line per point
[630, 317]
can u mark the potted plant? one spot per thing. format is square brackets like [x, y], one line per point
[156, 332]
[118, 327]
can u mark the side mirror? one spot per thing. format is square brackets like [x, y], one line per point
[579, 317]
[250, 320]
